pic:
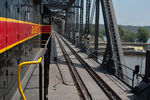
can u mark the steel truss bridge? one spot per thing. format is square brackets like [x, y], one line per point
[78, 21]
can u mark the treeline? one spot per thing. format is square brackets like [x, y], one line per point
[140, 35]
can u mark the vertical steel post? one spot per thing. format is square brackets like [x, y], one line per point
[40, 82]
[87, 30]
[77, 17]
[70, 25]
[81, 21]
[147, 67]
[77, 22]
[96, 29]
[66, 24]
[74, 26]
[45, 75]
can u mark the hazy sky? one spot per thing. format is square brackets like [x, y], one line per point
[132, 12]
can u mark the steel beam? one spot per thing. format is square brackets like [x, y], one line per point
[77, 17]
[96, 29]
[81, 21]
[147, 68]
[59, 4]
[114, 54]
[87, 30]
[73, 26]
[66, 24]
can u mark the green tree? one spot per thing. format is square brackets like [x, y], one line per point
[102, 32]
[121, 32]
[100, 35]
[126, 35]
[129, 37]
[142, 35]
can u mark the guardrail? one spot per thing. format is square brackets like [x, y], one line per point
[131, 80]
[45, 57]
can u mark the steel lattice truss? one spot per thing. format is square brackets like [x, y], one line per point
[59, 4]
[79, 18]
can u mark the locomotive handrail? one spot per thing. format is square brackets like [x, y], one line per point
[18, 74]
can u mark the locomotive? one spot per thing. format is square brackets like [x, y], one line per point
[25, 25]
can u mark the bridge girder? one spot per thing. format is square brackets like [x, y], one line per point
[59, 4]
[113, 57]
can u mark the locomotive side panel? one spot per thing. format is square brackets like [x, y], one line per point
[19, 40]
[3, 39]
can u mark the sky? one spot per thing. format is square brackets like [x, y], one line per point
[132, 12]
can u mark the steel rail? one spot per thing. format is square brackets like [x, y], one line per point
[79, 83]
[112, 95]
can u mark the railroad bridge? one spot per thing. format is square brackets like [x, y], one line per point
[65, 64]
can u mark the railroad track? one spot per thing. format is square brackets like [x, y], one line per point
[84, 93]
[100, 82]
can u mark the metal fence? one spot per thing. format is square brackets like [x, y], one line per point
[130, 79]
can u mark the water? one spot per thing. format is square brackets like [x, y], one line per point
[131, 61]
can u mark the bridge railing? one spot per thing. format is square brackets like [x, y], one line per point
[44, 61]
[129, 75]
[46, 55]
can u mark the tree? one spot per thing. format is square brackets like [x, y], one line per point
[102, 32]
[121, 32]
[126, 35]
[129, 37]
[100, 35]
[142, 35]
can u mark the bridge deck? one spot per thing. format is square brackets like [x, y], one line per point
[120, 88]
[57, 89]
[67, 91]
[93, 88]
[60, 91]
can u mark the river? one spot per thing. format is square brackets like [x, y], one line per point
[131, 61]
